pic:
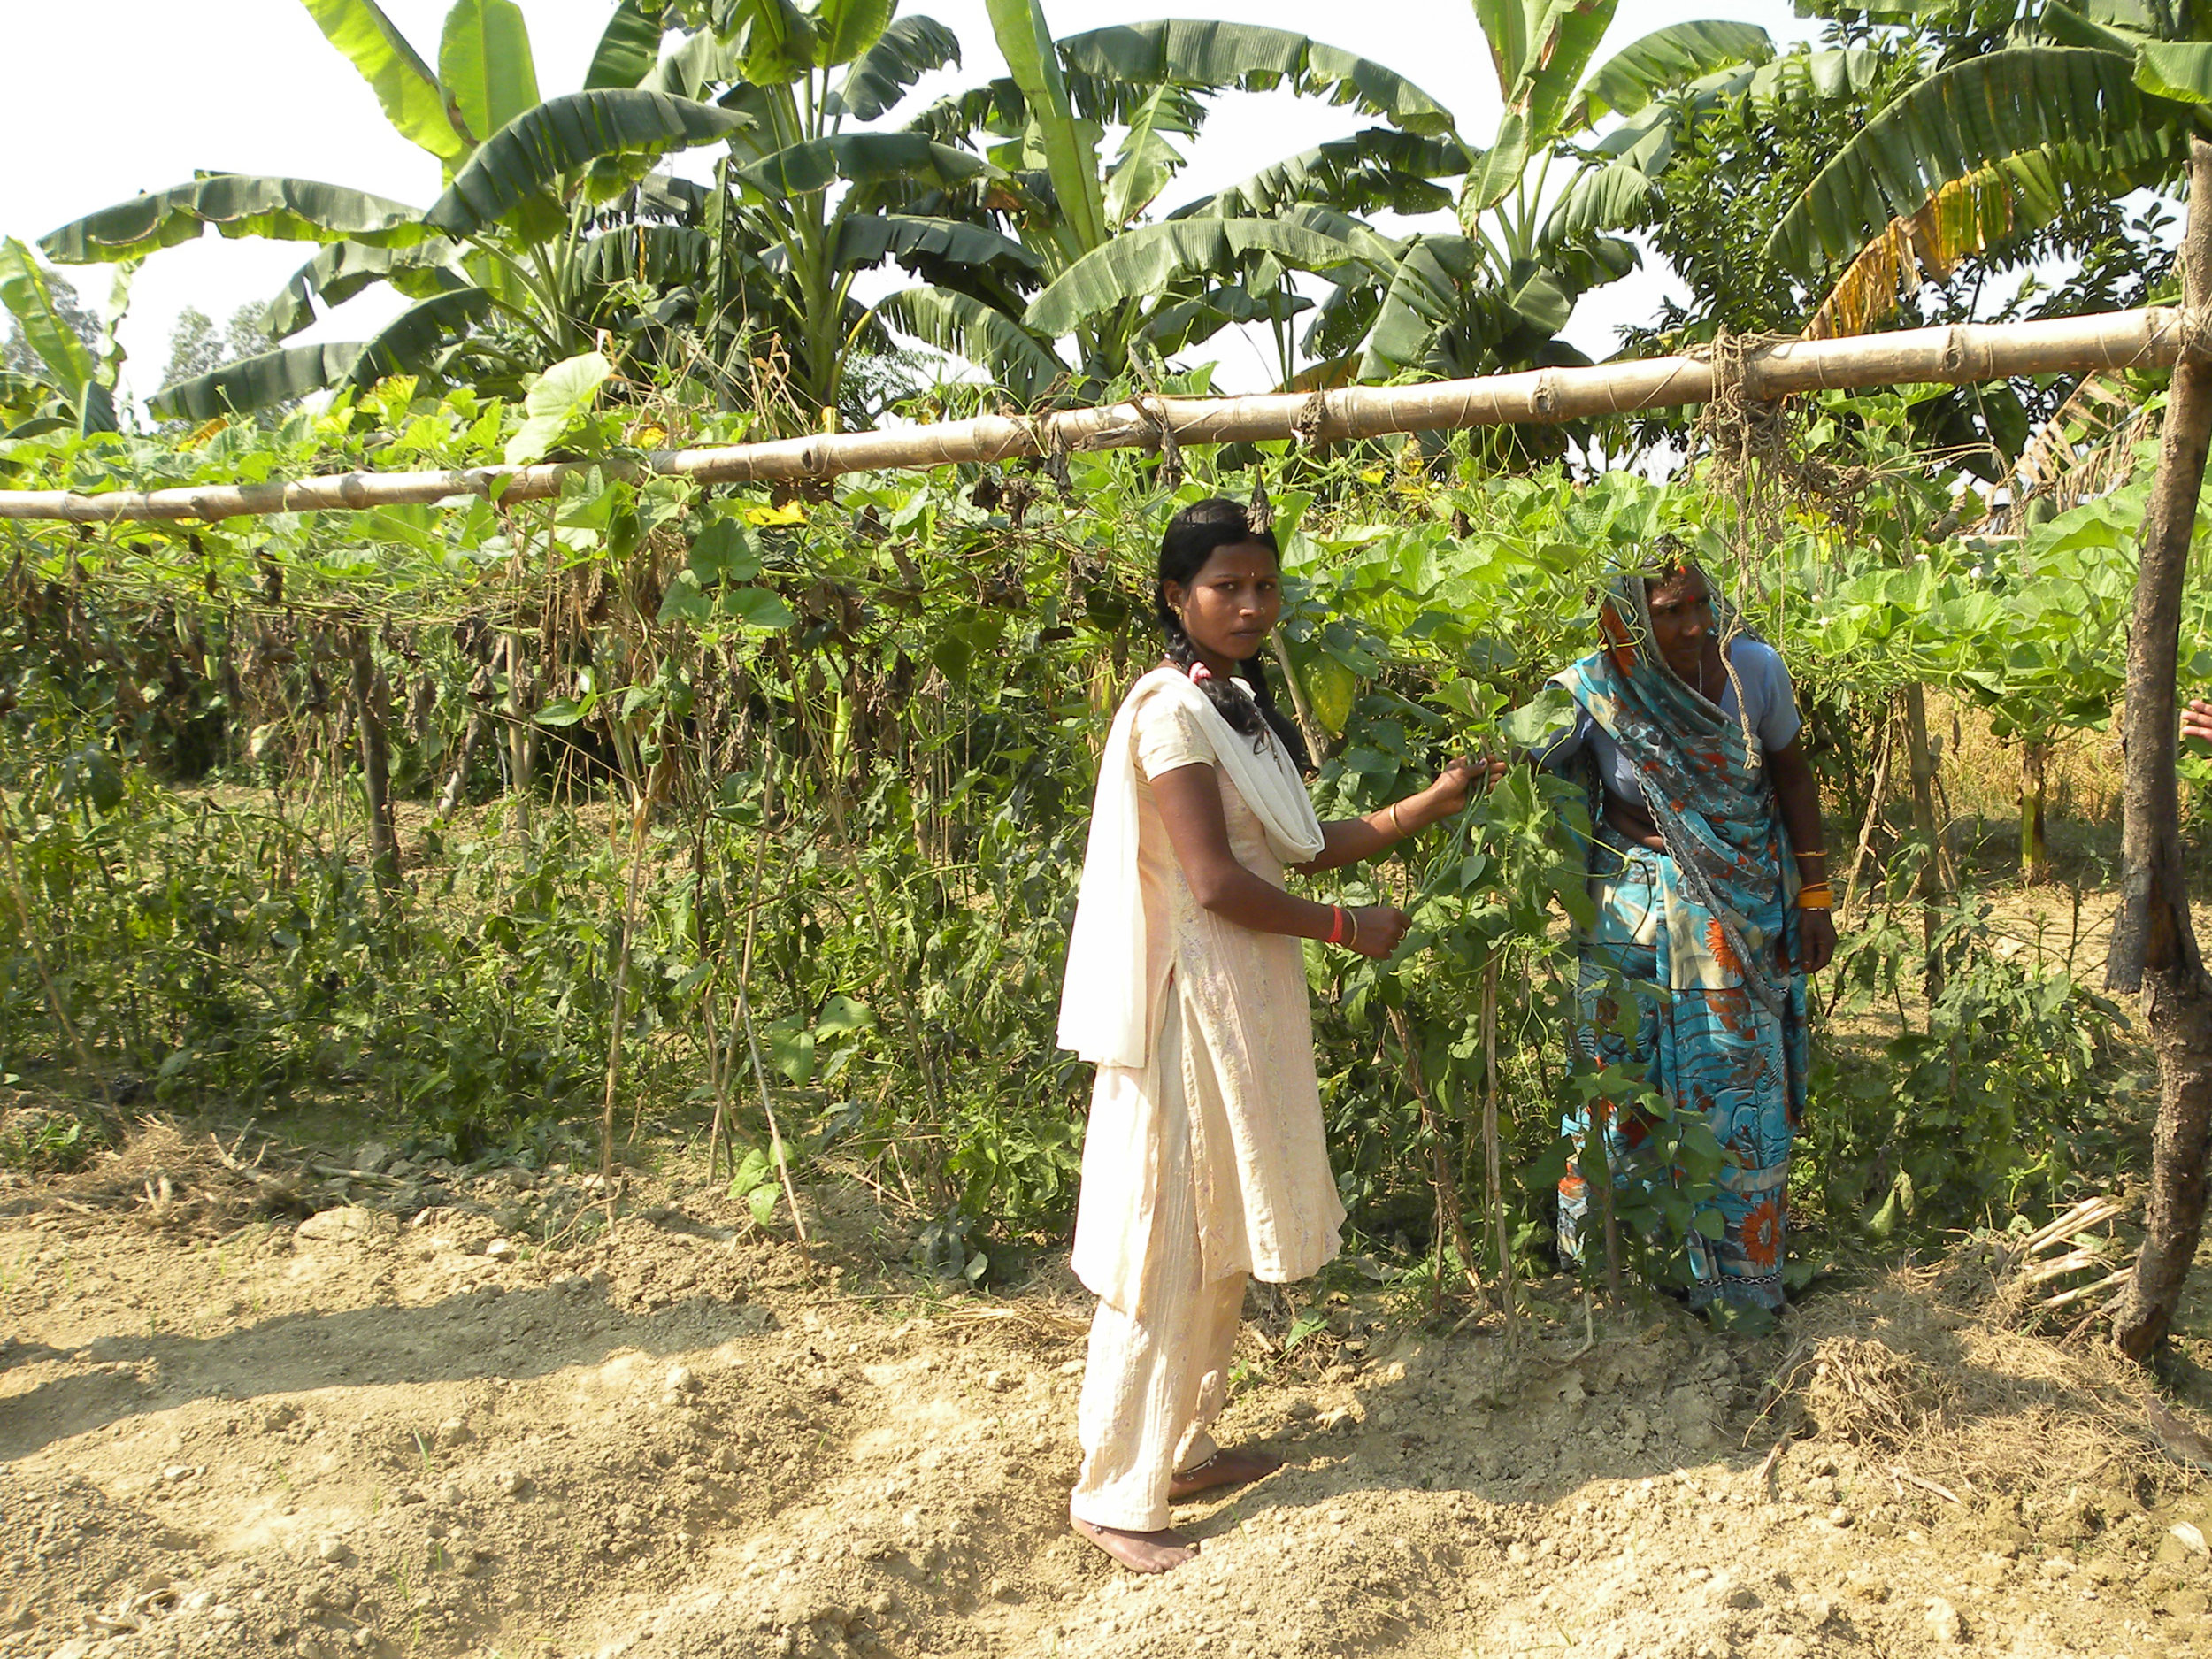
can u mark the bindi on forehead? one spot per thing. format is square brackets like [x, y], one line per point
[1242, 557]
[1684, 587]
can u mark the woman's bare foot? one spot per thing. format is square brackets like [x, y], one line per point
[1223, 1468]
[1140, 1552]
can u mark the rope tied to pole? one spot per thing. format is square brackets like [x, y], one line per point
[1757, 449]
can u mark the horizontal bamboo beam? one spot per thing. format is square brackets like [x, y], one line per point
[1958, 355]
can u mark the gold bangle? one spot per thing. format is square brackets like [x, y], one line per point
[1820, 899]
[1353, 943]
[1814, 852]
[1404, 833]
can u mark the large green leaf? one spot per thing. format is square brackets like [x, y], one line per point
[1994, 207]
[29, 299]
[661, 257]
[629, 49]
[862, 158]
[338, 273]
[1602, 197]
[1502, 166]
[1148, 258]
[1251, 57]
[1566, 35]
[879, 77]
[843, 29]
[1372, 170]
[967, 328]
[1070, 151]
[1149, 159]
[408, 344]
[1190, 322]
[404, 86]
[869, 239]
[1444, 314]
[233, 205]
[772, 42]
[694, 69]
[2070, 101]
[516, 177]
[485, 66]
[2180, 70]
[2118, 30]
[1806, 77]
[557, 399]
[1668, 58]
[1507, 27]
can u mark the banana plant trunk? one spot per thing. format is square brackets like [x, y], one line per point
[2154, 943]
[2035, 851]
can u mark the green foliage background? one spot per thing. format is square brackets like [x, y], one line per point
[862, 726]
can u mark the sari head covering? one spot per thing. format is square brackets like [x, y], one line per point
[1702, 774]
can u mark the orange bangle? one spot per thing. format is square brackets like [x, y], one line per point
[1815, 896]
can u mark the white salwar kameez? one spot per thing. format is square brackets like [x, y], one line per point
[1205, 1162]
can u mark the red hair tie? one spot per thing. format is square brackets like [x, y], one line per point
[1200, 673]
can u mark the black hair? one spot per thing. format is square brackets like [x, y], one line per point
[1192, 537]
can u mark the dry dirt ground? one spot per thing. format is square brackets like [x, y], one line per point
[459, 1416]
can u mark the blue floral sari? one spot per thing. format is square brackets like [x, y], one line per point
[1718, 1025]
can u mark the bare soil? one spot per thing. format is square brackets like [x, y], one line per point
[461, 1414]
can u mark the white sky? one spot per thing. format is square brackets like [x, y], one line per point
[250, 85]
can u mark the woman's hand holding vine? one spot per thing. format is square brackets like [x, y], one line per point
[1456, 785]
[1380, 927]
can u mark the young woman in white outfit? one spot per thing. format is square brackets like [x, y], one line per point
[1204, 1164]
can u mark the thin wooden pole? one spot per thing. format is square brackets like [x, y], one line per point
[376, 761]
[1960, 355]
[1493, 1151]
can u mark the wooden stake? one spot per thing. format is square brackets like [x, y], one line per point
[2154, 944]
[376, 762]
[1491, 1153]
[1963, 354]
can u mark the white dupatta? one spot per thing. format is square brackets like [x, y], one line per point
[1103, 998]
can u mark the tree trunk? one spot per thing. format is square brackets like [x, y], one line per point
[2035, 853]
[2153, 945]
[457, 784]
[1924, 825]
[376, 761]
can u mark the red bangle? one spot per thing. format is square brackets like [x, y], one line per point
[1337, 924]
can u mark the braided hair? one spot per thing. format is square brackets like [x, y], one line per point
[1246, 703]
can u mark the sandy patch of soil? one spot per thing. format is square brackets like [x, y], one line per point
[453, 1416]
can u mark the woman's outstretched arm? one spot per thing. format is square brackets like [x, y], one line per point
[1799, 797]
[1189, 799]
[1351, 840]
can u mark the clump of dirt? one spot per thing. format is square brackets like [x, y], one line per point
[500, 1424]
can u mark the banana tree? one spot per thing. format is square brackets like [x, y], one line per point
[809, 197]
[2048, 108]
[1115, 287]
[74, 387]
[1497, 293]
[497, 267]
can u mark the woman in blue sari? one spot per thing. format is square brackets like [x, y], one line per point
[1710, 874]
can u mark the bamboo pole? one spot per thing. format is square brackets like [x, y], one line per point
[1960, 355]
